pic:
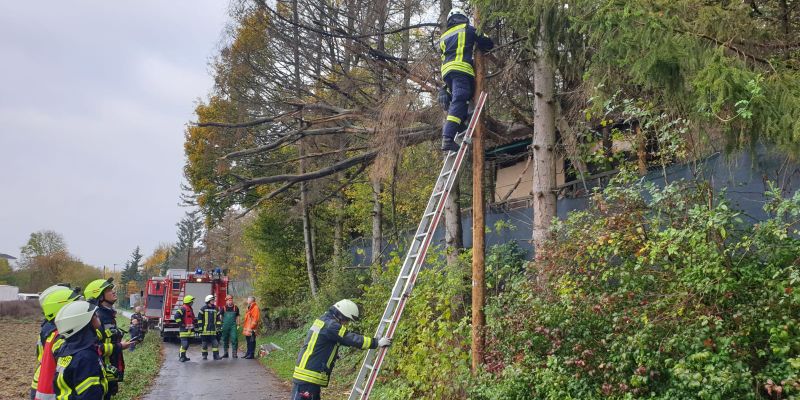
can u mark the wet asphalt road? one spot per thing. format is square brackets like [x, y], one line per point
[227, 379]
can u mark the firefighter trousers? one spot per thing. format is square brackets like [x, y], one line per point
[306, 391]
[461, 86]
[212, 339]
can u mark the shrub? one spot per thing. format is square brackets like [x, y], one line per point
[21, 309]
[653, 293]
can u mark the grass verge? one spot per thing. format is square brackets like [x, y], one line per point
[141, 365]
[282, 362]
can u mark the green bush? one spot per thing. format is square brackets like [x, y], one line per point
[653, 293]
[430, 355]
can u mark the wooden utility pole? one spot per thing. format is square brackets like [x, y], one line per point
[478, 224]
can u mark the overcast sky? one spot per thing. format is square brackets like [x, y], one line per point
[94, 97]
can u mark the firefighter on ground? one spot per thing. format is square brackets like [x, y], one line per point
[101, 293]
[51, 300]
[230, 324]
[80, 371]
[208, 321]
[184, 316]
[320, 350]
[457, 44]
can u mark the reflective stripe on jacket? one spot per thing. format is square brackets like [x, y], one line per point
[184, 316]
[209, 319]
[111, 338]
[80, 374]
[457, 45]
[321, 348]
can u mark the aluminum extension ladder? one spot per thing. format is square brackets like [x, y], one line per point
[415, 258]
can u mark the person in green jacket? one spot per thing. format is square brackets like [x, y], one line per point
[230, 326]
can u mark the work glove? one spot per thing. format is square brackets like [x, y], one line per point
[384, 342]
[444, 97]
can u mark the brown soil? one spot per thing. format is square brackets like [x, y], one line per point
[17, 357]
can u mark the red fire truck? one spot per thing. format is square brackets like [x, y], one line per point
[164, 294]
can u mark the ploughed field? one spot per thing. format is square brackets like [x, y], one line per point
[17, 357]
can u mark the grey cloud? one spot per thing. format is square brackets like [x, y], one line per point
[94, 97]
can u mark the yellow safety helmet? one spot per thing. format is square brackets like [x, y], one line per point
[188, 299]
[51, 289]
[57, 299]
[96, 288]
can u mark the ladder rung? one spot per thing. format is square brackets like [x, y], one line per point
[359, 390]
[370, 366]
[387, 320]
[396, 298]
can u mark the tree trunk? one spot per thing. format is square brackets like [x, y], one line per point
[641, 149]
[544, 140]
[453, 233]
[407, 33]
[444, 8]
[338, 229]
[307, 236]
[377, 219]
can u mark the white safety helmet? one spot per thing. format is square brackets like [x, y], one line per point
[457, 11]
[347, 308]
[209, 298]
[74, 316]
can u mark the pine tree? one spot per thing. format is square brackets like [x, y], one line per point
[190, 231]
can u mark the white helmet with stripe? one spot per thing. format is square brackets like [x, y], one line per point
[457, 12]
[347, 308]
[74, 316]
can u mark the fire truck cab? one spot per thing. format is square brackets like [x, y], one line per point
[164, 295]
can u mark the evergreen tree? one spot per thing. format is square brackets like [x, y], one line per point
[190, 231]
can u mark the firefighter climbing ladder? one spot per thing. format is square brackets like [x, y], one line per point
[415, 258]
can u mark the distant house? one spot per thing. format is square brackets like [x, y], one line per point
[8, 293]
[7, 257]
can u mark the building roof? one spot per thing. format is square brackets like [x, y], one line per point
[7, 257]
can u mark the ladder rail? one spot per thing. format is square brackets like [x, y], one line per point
[415, 258]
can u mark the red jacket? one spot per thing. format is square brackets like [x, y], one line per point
[47, 371]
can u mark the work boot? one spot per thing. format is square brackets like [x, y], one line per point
[449, 144]
[225, 355]
[235, 353]
[205, 356]
[183, 358]
[216, 356]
